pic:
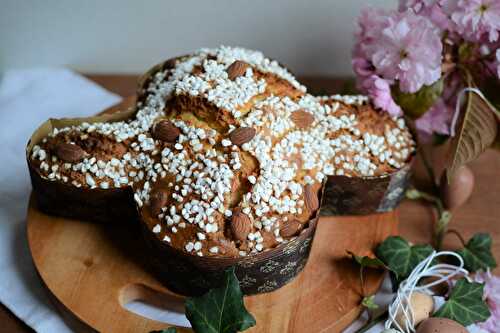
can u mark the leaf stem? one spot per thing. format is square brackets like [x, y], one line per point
[362, 280]
[444, 216]
[429, 170]
[375, 320]
[459, 236]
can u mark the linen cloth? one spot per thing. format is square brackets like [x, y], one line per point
[28, 98]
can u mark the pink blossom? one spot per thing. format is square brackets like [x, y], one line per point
[436, 120]
[407, 49]
[362, 67]
[376, 88]
[431, 9]
[370, 23]
[477, 19]
[492, 297]
[498, 62]
[379, 91]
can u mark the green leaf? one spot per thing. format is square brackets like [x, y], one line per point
[369, 302]
[167, 330]
[365, 261]
[418, 103]
[439, 139]
[476, 130]
[465, 304]
[465, 51]
[221, 310]
[490, 88]
[477, 253]
[400, 257]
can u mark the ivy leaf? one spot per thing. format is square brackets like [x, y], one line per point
[477, 253]
[418, 103]
[167, 330]
[476, 130]
[465, 304]
[400, 257]
[221, 310]
[365, 261]
[369, 302]
[490, 89]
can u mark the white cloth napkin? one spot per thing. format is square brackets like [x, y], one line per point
[27, 98]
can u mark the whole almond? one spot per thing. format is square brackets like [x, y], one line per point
[289, 228]
[158, 200]
[302, 119]
[240, 226]
[236, 69]
[164, 130]
[69, 152]
[310, 198]
[242, 135]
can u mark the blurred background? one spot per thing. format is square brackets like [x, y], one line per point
[126, 36]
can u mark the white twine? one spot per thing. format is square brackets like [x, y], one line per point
[459, 104]
[442, 273]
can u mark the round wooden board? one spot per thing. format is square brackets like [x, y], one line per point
[93, 270]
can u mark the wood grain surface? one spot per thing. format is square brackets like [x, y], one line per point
[94, 270]
[480, 213]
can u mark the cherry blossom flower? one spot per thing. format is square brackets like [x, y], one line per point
[408, 50]
[492, 297]
[436, 120]
[477, 19]
[432, 9]
[380, 92]
[400, 46]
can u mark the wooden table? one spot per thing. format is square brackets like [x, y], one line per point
[480, 213]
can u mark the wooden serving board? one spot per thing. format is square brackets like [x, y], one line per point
[93, 270]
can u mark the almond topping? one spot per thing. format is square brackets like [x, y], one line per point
[164, 130]
[236, 69]
[69, 152]
[242, 135]
[240, 226]
[289, 228]
[158, 200]
[311, 198]
[302, 119]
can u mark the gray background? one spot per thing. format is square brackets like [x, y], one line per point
[312, 37]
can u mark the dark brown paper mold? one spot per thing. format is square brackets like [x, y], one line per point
[192, 275]
[366, 195]
[267, 271]
[66, 200]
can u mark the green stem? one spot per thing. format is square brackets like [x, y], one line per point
[362, 280]
[459, 236]
[430, 171]
[444, 217]
[377, 319]
[441, 228]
